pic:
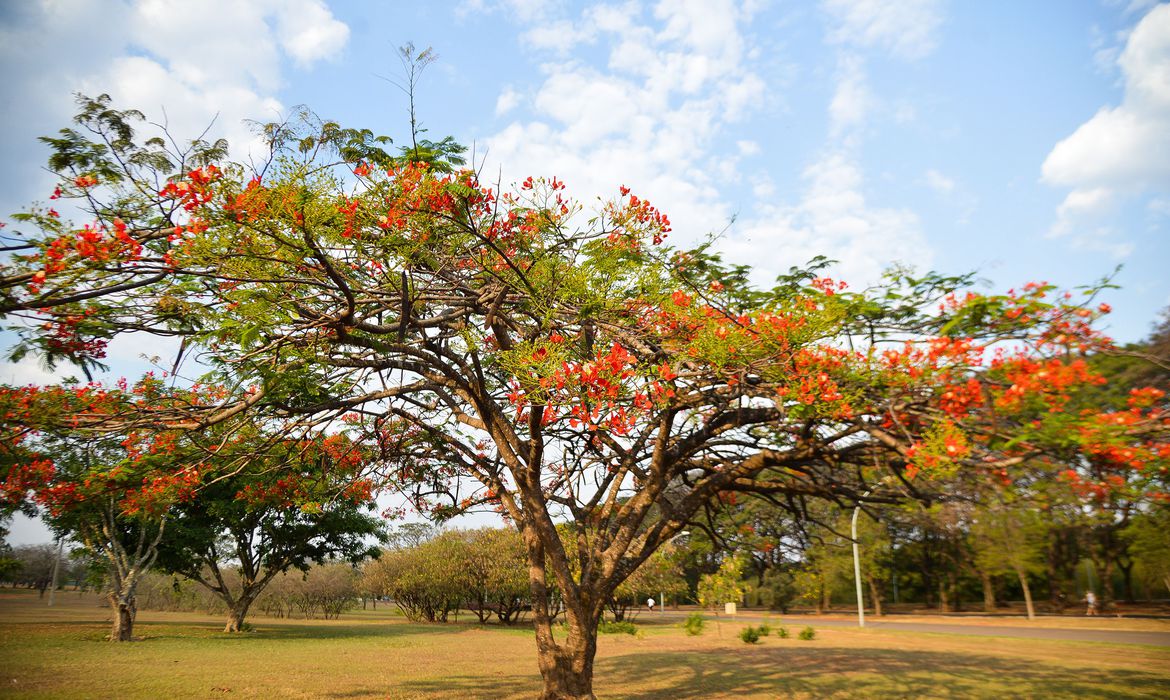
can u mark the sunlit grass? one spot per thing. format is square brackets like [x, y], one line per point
[59, 652]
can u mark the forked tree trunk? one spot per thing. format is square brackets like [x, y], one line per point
[1027, 594]
[567, 666]
[236, 614]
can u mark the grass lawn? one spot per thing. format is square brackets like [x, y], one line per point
[60, 652]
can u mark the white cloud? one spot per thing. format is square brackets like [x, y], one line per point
[852, 100]
[832, 218]
[938, 182]
[185, 63]
[658, 114]
[906, 28]
[1121, 150]
[507, 101]
[747, 148]
[647, 116]
[1126, 146]
[308, 31]
[561, 36]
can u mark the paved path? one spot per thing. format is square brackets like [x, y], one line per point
[1075, 635]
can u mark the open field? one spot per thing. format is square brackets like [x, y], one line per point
[59, 652]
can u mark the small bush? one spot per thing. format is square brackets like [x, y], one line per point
[782, 632]
[764, 629]
[808, 633]
[694, 624]
[750, 635]
[617, 628]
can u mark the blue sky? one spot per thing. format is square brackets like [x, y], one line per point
[1028, 141]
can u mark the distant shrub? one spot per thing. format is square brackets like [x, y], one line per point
[749, 635]
[617, 628]
[808, 633]
[764, 629]
[782, 632]
[694, 624]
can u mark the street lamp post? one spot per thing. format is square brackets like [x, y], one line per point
[857, 563]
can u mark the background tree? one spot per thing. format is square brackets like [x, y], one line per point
[657, 577]
[495, 564]
[294, 505]
[427, 582]
[1010, 537]
[30, 565]
[108, 489]
[723, 586]
[1149, 541]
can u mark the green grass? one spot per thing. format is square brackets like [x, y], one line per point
[60, 653]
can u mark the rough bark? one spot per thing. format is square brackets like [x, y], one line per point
[567, 667]
[124, 611]
[236, 614]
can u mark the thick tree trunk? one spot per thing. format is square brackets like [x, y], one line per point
[1027, 594]
[988, 591]
[236, 614]
[567, 667]
[124, 613]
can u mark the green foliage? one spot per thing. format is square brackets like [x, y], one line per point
[764, 629]
[1009, 536]
[484, 570]
[660, 574]
[808, 634]
[694, 624]
[782, 632]
[617, 627]
[724, 585]
[749, 635]
[1149, 543]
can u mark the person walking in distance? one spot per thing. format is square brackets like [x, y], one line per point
[1091, 603]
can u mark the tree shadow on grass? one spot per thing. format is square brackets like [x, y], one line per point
[293, 630]
[864, 673]
[481, 687]
[813, 673]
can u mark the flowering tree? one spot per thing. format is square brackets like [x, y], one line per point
[508, 349]
[108, 490]
[298, 505]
